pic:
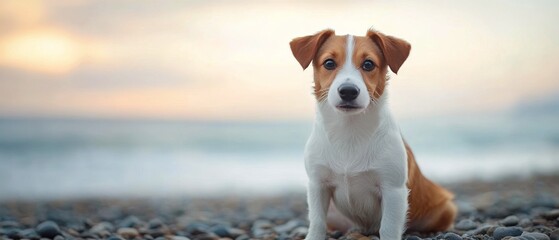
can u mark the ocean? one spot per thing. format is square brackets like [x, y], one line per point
[77, 158]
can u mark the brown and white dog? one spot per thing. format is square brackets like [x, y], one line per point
[356, 157]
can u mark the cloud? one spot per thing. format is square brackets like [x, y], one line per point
[235, 56]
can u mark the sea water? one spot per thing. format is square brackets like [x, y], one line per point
[74, 158]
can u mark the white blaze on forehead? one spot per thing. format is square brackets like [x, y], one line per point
[348, 74]
[349, 51]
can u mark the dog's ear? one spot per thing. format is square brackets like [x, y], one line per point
[395, 50]
[304, 48]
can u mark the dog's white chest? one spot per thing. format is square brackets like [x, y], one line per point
[357, 196]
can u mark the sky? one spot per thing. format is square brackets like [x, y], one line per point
[230, 60]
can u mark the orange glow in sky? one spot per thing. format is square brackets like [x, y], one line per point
[231, 60]
[42, 51]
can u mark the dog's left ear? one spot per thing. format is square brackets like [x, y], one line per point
[395, 50]
[304, 48]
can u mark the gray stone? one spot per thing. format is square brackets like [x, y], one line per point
[235, 232]
[196, 228]
[465, 225]
[554, 235]
[336, 234]
[502, 232]
[48, 229]
[288, 226]
[220, 230]
[128, 232]
[9, 224]
[115, 238]
[155, 223]
[102, 227]
[525, 222]
[261, 228]
[452, 236]
[242, 237]
[130, 221]
[29, 233]
[207, 236]
[13, 233]
[179, 238]
[480, 230]
[510, 221]
[551, 215]
[299, 232]
[265, 224]
[58, 238]
[413, 238]
[535, 235]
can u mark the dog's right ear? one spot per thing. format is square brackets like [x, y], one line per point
[304, 48]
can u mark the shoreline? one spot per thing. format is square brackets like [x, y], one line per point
[486, 210]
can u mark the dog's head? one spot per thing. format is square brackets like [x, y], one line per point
[350, 71]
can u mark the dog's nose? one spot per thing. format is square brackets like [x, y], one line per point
[348, 91]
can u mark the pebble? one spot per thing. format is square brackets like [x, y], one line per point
[115, 238]
[465, 225]
[128, 232]
[102, 227]
[452, 236]
[235, 232]
[243, 237]
[481, 230]
[13, 233]
[179, 238]
[287, 227]
[413, 238]
[155, 223]
[525, 222]
[29, 233]
[196, 228]
[551, 215]
[299, 232]
[9, 224]
[336, 234]
[220, 230]
[554, 235]
[510, 221]
[48, 229]
[534, 236]
[58, 237]
[502, 232]
[130, 221]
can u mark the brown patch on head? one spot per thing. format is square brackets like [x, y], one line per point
[335, 49]
[304, 48]
[375, 80]
[395, 50]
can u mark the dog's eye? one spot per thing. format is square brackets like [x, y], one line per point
[368, 65]
[329, 64]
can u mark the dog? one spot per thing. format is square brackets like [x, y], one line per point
[362, 174]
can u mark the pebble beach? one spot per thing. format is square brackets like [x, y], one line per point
[510, 209]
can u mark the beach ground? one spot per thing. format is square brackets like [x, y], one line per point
[526, 208]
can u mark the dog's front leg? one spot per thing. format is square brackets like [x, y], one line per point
[394, 210]
[318, 198]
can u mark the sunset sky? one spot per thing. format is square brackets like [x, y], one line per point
[230, 60]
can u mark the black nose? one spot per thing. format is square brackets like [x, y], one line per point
[348, 91]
